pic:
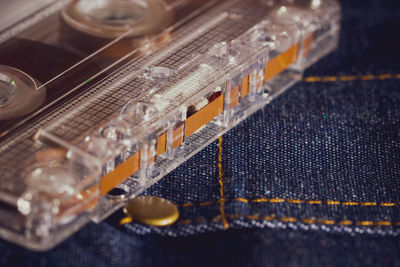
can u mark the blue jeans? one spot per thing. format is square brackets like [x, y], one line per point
[312, 179]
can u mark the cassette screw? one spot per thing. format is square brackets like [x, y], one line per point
[150, 210]
[118, 193]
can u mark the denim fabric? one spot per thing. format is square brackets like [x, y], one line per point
[312, 179]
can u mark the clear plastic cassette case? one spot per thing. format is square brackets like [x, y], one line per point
[101, 99]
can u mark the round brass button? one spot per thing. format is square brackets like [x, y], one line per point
[152, 210]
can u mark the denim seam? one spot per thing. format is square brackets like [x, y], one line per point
[221, 185]
[347, 78]
[284, 219]
[294, 201]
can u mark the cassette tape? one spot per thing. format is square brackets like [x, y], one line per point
[101, 99]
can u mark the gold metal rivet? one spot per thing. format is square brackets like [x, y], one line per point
[151, 211]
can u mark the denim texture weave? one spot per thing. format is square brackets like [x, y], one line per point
[311, 179]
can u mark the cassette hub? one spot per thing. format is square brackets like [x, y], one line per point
[19, 93]
[7, 89]
[110, 19]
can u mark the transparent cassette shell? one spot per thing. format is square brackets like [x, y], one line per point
[146, 104]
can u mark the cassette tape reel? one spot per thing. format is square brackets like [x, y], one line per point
[19, 93]
[101, 99]
[111, 19]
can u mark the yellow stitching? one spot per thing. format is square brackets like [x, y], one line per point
[365, 223]
[239, 199]
[288, 219]
[207, 203]
[312, 79]
[350, 203]
[276, 200]
[387, 204]
[329, 79]
[333, 202]
[345, 78]
[259, 200]
[348, 78]
[253, 217]
[383, 223]
[368, 203]
[293, 219]
[221, 201]
[308, 221]
[314, 202]
[346, 222]
[293, 201]
[367, 77]
[221, 183]
[385, 76]
[326, 221]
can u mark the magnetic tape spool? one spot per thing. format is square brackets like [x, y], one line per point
[112, 19]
